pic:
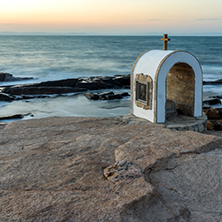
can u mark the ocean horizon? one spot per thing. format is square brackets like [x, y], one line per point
[47, 58]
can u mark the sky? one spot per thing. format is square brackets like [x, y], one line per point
[112, 16]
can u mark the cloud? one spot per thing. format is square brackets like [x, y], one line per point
[209, 19]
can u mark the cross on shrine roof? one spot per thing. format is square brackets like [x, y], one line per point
[165, 40]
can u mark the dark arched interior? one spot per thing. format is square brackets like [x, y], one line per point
[180, 88]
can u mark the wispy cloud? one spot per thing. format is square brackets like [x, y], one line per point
[209, 19]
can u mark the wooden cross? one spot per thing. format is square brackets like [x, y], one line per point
[165, 40]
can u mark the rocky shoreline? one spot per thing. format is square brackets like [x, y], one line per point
[89, 87]
[107, 169]
[65, 86]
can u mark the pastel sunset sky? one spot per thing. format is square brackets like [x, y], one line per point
[112, 16]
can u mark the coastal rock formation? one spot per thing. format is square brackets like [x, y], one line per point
[69, 85]
[217, 97]
[105, 95]
[214, 125]
[35, 90]
[108, 169]
[7, 77]
[6, 97]
[210, 102]
[216, 82]
[215, 113]
[214, 116]
[14, 117]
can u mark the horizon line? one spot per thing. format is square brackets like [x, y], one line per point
[108, 34]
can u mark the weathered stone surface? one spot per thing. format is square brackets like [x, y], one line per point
[122, 171]
[190, 185]
[210, 125]
[214, 133]
[181, 79]
[214, 125]
[52, 169]
[151, 144]
[215, 113]
[214, 116]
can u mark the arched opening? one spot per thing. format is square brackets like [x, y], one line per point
[180, 90]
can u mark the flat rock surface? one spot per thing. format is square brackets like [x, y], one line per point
[107, 169]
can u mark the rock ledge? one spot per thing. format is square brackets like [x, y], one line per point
[53, 169]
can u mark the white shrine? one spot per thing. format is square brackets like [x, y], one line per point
[166, 83]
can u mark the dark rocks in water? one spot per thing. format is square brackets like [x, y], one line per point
[6, 97]
[91, 83]
[216, 97]
[56, 83]
[7, 77]
[22, 97]
[118, 80]
[217, 82]
[105, 96]
[205, 108]
[82, 84]
[32, 90]
[69, 85]
[16, 116]
[125, 94]
[212, 101]
[92, 96]
[209, 102]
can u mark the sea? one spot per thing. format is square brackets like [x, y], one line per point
[48, 58]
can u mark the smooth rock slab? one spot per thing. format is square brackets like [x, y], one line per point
[52, 170]
[191, 181]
